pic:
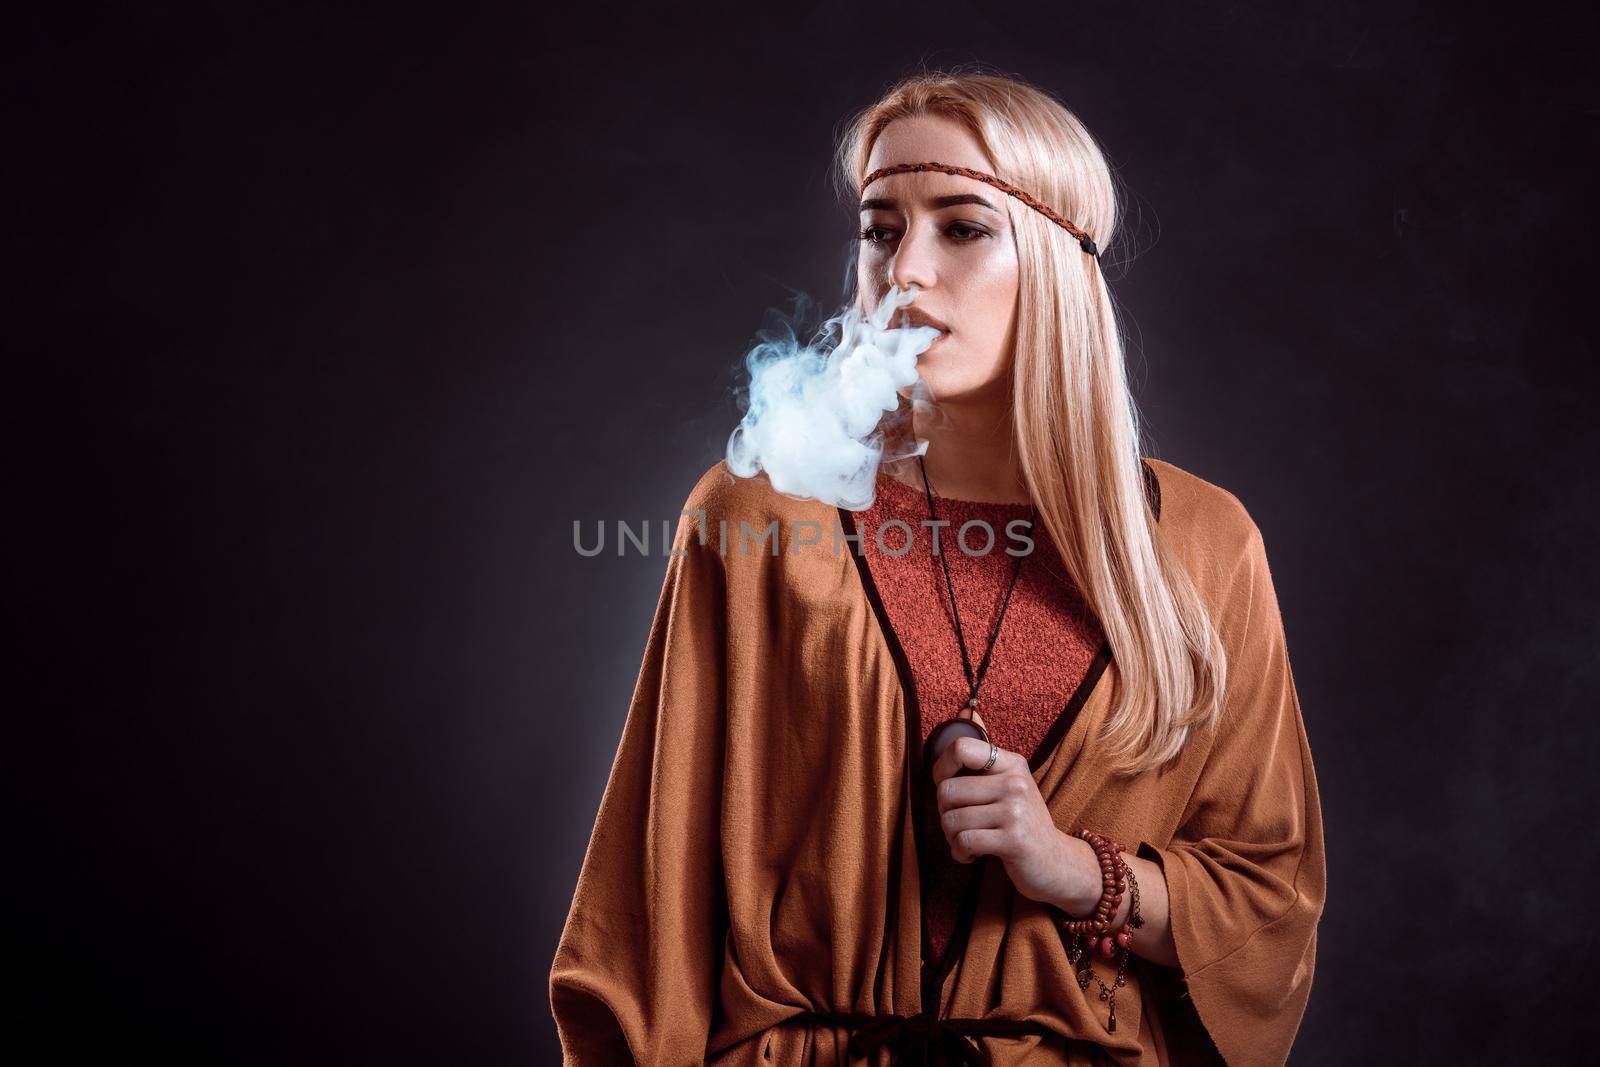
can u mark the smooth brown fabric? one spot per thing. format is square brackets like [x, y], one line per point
[754, 852]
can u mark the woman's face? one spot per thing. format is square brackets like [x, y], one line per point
[950, 236]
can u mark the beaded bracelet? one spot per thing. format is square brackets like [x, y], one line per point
[1116, 877]
[1114, 882]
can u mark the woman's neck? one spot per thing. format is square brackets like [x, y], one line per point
[971, 456]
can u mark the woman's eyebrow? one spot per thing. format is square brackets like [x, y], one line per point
[890, 204]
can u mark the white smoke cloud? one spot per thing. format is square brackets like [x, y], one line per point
[814, 411]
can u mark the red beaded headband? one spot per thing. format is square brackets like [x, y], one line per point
[1084, 240]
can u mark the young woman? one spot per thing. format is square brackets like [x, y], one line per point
[1115, 855]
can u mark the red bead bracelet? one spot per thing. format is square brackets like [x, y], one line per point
[1116, 877]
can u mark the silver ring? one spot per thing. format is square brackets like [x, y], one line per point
[994, 754]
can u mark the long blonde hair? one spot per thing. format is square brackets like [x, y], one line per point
[1074, 420]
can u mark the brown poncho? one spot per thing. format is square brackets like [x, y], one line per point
[754, 857]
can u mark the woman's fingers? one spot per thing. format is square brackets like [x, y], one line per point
[976, 817]
[972, 836]
[970, 790]
[967, 752]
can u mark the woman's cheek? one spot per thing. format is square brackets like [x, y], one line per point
[959, 370]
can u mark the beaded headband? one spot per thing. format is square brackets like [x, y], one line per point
[1044, 209]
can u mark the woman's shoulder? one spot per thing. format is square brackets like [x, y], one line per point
[719, 496]
[1199, 516]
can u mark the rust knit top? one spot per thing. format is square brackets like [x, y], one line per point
[1046, 644]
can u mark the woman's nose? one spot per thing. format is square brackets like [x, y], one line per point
[913, 261]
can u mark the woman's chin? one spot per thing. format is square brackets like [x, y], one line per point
[945, 378]
[945, 387]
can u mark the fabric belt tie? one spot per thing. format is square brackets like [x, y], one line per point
[922, 1040]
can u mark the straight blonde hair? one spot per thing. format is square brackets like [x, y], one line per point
[1075, 424]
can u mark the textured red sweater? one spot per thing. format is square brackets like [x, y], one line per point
[1046, 644]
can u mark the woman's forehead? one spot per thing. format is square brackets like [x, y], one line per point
[923, 139]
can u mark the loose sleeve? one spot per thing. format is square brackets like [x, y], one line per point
[636, 971]
[1245, 871]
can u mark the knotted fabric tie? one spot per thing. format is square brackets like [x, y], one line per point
[922, 1040]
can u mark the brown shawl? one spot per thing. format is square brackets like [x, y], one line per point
[754, 857]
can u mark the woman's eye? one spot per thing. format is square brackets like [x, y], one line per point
[962, 233]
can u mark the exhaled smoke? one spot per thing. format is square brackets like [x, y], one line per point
[813, 420]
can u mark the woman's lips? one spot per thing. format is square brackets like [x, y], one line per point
[943, 333]
[918, 317]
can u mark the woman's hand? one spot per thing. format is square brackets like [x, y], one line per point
[1000, 813]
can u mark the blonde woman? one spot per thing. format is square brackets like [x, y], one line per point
[1037, 796]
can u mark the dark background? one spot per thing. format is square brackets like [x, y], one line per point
[326, 323]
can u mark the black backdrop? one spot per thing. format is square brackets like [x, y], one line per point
[326, 323]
